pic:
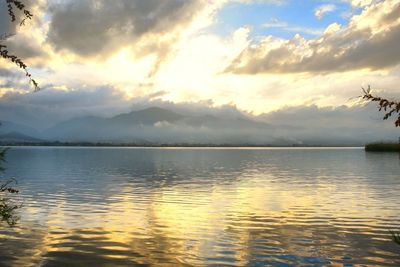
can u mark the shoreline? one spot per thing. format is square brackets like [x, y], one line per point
[110, 145]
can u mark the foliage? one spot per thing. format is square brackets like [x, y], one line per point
[20, 6]
[2, 158]
[395, 237]
[389, 106]
[383, 147]
[4, 53]
[7, 207]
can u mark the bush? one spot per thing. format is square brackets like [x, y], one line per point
[383, 147]
[7, 206]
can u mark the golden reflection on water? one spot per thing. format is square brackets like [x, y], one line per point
[255, 218]
[185, 225]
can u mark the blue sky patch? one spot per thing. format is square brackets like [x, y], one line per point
[284, 20]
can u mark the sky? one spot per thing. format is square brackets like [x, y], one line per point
[257, 56]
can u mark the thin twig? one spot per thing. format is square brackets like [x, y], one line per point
[389, 106]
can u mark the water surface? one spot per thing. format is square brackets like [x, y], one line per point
[203, 207]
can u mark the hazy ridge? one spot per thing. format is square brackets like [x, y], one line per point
[155, 125]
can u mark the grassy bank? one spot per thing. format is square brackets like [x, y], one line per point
[383, 147]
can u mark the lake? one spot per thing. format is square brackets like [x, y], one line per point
[203, 207]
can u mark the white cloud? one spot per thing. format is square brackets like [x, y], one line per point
[265, 75]
[363, 3]
[370, 41]
[283, 25]
[324, 9]
[270, 2]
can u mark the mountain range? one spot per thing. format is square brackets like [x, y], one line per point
[151, 125]
[157, 125]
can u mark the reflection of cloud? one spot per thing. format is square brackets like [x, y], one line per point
[202, 207]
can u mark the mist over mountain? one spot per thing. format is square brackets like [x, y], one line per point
[176, 125]
[17, 137]
[7, 127]
[157, 125]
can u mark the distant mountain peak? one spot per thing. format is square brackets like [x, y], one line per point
[11, 127]
[153, 109]
[18, 137]
[160, 125]
[149, 115]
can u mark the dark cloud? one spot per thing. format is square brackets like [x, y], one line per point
[355, 47]
[13, 78]
[23, 45]
[93, 27]
[6, 26]
[5, 72]
[25, 48]
[48, 106]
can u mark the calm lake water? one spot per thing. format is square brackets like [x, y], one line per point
[203, 207]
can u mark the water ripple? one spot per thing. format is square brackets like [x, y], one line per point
[203, 207]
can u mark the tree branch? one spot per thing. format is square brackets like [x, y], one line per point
[4, 53]
[389, 106]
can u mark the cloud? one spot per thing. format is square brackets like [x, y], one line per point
[324, 9]
[283, 25]
[4, 72]
[363, 3]
[370, 41]
[194, 60]
[25, 47]
[25, 41]
[269, 2]
[311, 124]
[57, 103]
[98, 27]
[358, 124]
[6, 26]
[95, 31]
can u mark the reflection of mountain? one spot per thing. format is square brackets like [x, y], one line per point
[161, 125]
